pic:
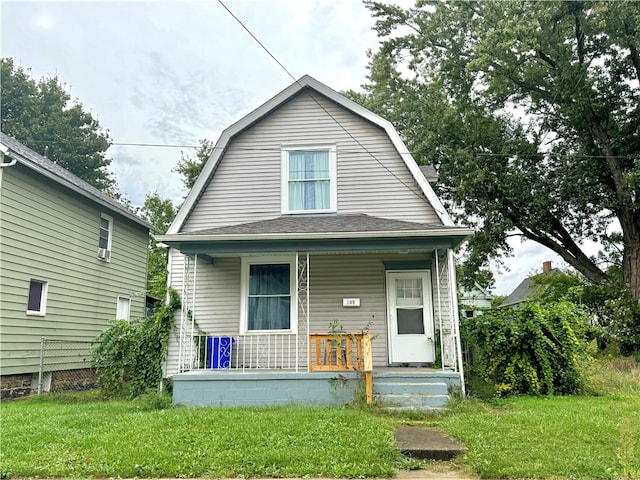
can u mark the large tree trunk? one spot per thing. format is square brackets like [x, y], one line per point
[631, 257]
[628, 218]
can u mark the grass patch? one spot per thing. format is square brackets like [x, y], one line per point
[555, 437]
[50, 437]
[615, 375]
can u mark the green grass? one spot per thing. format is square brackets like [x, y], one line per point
[556, 437]
[51, 438]
[580, 437]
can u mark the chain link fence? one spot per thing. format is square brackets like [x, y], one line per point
[65, 365]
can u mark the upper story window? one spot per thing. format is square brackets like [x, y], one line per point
[37, 300]
[104, 238]
[309, 179]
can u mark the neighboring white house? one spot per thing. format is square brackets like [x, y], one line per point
[473, 300]
[311, 212]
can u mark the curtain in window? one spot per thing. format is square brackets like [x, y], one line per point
[269, 297]
[309, 183]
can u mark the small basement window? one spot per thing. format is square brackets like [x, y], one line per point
[37, 300]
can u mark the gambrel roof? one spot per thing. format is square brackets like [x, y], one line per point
[15, 150]
[304, 83]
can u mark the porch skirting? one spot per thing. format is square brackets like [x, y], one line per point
[226, 388]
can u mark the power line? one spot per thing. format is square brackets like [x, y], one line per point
[371, 152]
[411, 189]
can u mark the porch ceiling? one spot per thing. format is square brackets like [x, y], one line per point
[318, 233]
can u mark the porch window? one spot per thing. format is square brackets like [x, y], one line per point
[268, 303]
[309, 179]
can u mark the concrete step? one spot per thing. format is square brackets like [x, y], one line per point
[408, 400]
[428, 443]
[402, 387]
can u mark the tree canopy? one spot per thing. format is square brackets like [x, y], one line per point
[160, 213]
[42, 115]
[530, 112]
[189, 167]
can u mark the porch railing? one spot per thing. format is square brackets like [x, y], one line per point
[247, 352]
[342, 352]
[266, 351]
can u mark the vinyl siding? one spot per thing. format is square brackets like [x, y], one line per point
[371, 176]
[332, 278]
[50, 234]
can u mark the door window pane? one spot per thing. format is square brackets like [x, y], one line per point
[409, 292]
[410, 321]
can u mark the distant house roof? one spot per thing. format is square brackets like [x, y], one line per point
[305, 83]
[429, 172]
[522, 292]
[476, 292]
[526, 289]
[15, 150]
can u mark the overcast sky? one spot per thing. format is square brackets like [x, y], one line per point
[171, 73]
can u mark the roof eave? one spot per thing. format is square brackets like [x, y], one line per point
[65, 183]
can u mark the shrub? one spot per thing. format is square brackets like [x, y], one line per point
[131, 354]
[533, 349]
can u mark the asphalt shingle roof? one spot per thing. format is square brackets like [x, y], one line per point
[65, 177]
[333, 223]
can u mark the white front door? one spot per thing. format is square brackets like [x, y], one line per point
[410, 317]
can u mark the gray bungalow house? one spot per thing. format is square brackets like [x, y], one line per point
[310, 231]
[71, 259]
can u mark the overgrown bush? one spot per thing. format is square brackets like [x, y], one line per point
[131, 353]
[614, 312]
[533, 349]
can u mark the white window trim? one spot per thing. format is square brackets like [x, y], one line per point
[110, 239]
[244, 292]
[128, 299]
[284, 186]
[43, 298]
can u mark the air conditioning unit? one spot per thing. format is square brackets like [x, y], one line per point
[103, 254]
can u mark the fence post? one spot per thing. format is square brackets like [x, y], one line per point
[368, 367]
[41, 368]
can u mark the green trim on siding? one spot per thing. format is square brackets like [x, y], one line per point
[408, 265]
[415, 244]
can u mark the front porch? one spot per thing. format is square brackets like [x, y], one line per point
[339, 371]
[287, 310]
[392, 386]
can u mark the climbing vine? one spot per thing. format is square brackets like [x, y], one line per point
[533, 349]
[131, 353]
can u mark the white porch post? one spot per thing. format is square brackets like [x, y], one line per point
[187, 298]
[193, 311]
[440, 332]
[302, 285]
[455, 320]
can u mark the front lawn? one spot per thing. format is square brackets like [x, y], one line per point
[53, 438]
[556, 437]
[579, 437]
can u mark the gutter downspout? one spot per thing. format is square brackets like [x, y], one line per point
[5, 153]
[10, 164]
